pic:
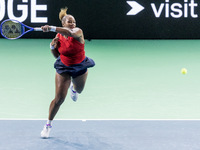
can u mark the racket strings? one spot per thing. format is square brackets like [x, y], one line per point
[11, 29]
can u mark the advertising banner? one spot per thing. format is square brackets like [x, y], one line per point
[111, 19]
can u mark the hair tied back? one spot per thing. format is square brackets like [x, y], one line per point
[63, 12]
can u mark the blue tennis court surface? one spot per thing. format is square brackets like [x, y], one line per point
[101, 135]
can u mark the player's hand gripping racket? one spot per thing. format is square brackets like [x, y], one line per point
[13, 29]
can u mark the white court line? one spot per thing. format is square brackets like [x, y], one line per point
[1, 119]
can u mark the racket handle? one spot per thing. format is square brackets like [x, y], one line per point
[37, 29]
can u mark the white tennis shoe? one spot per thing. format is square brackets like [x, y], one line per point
[74, 94]
[46, 130]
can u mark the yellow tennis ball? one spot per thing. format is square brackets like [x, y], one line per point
[184, 71]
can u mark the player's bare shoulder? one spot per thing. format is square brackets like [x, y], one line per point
[77, 31]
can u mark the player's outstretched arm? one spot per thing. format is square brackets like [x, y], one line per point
[75, 32]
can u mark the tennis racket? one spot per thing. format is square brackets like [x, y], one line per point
[13, 29]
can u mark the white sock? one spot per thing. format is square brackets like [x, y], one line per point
[73, 88]
[49, 122]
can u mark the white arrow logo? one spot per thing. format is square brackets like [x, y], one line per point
[136, 8]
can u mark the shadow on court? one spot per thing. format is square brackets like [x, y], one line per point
[101, 135]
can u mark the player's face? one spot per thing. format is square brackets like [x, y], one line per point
[70, 22]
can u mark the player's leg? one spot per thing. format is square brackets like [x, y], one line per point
[77, 85]
[62, 84]
[79, 82]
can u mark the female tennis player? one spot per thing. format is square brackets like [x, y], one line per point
[71, 64]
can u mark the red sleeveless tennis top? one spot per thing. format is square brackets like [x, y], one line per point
[71, 51]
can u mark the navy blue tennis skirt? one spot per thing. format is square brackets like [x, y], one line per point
[74, 70]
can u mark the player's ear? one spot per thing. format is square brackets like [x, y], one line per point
[63, 23]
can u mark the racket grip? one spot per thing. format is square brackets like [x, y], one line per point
[37, 29]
